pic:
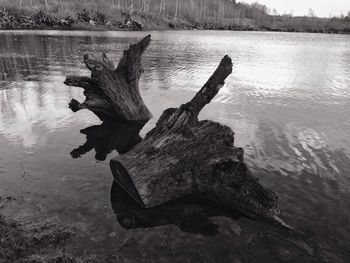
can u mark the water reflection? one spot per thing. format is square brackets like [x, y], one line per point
[108, 136]
[297, 150]
[190, 214]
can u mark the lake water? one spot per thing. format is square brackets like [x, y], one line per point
[288, 101]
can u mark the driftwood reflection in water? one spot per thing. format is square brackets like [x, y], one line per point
[191, 214]
[109, 136]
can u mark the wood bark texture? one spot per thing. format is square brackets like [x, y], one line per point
[113, 92]
[182, 156]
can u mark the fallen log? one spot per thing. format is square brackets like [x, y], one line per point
[183, 156]
[113, 92]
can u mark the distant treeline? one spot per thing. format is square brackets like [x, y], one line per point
[199, 10]
[225, 14]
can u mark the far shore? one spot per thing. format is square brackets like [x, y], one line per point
[105, 28]
[128, 22]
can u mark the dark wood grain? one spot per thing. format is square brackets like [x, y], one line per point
[114, 92]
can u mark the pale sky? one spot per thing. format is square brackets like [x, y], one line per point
[300, 7]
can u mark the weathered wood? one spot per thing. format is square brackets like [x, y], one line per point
[183, 156]
[113, 92]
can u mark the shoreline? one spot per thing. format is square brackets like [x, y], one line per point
[127, 22]
[114, 29]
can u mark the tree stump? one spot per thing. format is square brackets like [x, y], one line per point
[182, 156]
[113, 92]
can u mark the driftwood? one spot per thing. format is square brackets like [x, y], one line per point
[182, 156]
[113, 92]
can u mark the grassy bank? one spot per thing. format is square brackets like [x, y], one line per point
[158, 15]
[21, 243]
[35, 243]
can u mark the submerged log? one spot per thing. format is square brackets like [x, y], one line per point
[113, 92]
[182, 156]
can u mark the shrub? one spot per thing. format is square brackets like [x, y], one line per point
[84, 16]
[99, 18]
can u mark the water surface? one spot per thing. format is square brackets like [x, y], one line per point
[288, 101]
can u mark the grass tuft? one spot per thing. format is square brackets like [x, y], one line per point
[20, 243]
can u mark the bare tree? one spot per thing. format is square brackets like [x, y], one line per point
[177, 10]
[161, 8]
[222, 10]
[311, 13]
[203, 9]
[131, 6]
[144, 6]
[46, 4]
